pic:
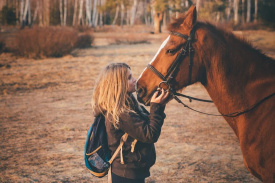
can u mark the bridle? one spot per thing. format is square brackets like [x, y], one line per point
[187, 49]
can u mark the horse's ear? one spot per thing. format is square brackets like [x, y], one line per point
[190, 19]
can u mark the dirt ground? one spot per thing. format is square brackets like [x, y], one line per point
[45, 113]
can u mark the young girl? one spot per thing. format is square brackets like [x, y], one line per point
[112, 96]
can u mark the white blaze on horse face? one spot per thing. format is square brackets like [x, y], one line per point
[161, 47]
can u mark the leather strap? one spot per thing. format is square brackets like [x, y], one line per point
[119, 148]
[122, 140]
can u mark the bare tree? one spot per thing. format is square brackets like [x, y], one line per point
[145, 12]
[158, 17]
[101, 12]
[61, 11]
[80, 15]
[133, 13]
[88, 12]
[95, 14]
[236, 9]
[21, 11]
[29, 14]
[40, 14]
[25, 13]
[256, 11]
[248, 15]
[46, 12]
[229, 9]
[116, 15]
[243, 6]
[122, 13]
[36, 11]
[65, 12]
[17, 8]
[75, 12]
[128, 16]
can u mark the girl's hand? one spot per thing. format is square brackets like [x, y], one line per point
[162, 98]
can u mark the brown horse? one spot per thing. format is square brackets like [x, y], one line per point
[235, 75]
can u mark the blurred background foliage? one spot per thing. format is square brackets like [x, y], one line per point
[97, 13]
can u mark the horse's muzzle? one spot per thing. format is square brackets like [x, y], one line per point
[141, 93]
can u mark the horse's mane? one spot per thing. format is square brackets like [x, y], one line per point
[227, 35]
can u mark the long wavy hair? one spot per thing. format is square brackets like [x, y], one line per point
[110, 96]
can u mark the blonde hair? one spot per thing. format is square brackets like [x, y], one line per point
[110, 95]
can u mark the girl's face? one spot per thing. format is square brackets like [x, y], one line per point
[131, 82]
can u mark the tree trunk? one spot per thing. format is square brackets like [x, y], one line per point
[229, 9]
[116, 15]
[152, 16]
[36, 11]
[88, 12]
[65, 12]
[100, 19]
[40, 14]
[236, 9]
[145, 12]
[101, 3]
[95, 14]
[17, 8]
[164, 19]
[122, 13]
[128, 17]
[243, 19]
[170, 12]
[75, 12]
[80, 15]
[248, 15]
[46, 12]
[158, 17]
[256, 11]
[29, 14]
[61, 12]
[21, 11]
[26, 11]
[24, 18]
[96, 19]
[133, 13]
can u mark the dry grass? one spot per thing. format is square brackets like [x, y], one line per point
[130, 39]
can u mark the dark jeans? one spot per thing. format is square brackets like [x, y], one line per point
[118, 179]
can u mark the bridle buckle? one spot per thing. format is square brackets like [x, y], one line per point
[166, 84]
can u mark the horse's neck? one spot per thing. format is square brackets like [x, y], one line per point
[239, 76]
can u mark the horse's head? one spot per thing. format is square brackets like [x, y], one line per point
[175, 65]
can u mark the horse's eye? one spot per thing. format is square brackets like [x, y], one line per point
[171, 52]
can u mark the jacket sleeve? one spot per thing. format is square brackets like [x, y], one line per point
[147, 131]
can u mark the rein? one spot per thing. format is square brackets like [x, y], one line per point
[187, 49]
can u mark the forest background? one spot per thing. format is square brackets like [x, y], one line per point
[97, 13]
